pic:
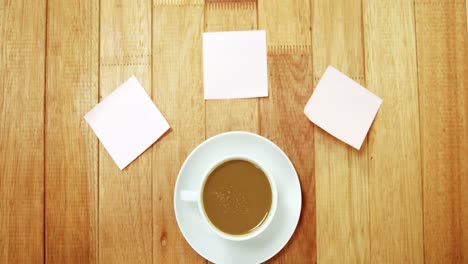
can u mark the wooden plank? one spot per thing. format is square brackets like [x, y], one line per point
[395, 195]
[281, 114]
[22, 59]
[341, 171]
[234, 114]
[71, 147]
[125, 200]
[443, 95]
[178, 92]
[283, 122]
[287, 23]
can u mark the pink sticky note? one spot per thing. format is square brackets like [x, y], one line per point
[235, 64]
[127, 122]
[342, 107]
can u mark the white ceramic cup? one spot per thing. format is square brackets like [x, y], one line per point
[196, 196]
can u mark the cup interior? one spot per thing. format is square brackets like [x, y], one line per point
[256, 230]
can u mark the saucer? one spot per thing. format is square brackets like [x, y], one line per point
[275, 162]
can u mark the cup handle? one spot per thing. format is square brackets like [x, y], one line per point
[189, 196]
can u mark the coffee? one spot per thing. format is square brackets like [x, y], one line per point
[237, 197]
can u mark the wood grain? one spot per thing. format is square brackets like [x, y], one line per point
[71, 147]
[341, 172]
[443, 70]
[400, 199]
[234, 114]
[281, 114]
[395, 192]
[125, 197]
[178, 92]
[287, 23]
[283, 122]
[22, 56]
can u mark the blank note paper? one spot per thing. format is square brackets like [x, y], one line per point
[127, 122]
[342, 107]
[235, 64]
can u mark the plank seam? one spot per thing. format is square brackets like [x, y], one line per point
[363, 81]
[415, 27]
[98, 157]
[151, 74]
[45, 130]
[203, 28]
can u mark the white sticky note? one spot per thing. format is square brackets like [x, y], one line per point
[342, 107]
[127, 122]
[235, 64]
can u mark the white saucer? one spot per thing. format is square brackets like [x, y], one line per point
[198, 234]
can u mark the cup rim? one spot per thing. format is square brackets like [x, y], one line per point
[257, 230]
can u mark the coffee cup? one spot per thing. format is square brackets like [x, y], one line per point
[236, 197]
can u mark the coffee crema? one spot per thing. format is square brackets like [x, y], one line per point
[237, 197]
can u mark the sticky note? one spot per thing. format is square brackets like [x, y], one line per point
[342, 107]
[235, 64]
[127, 122]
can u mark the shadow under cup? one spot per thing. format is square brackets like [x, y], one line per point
[238, 198]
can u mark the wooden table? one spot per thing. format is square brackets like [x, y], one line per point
[401, 199]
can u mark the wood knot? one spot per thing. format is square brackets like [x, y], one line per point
[163, 239]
